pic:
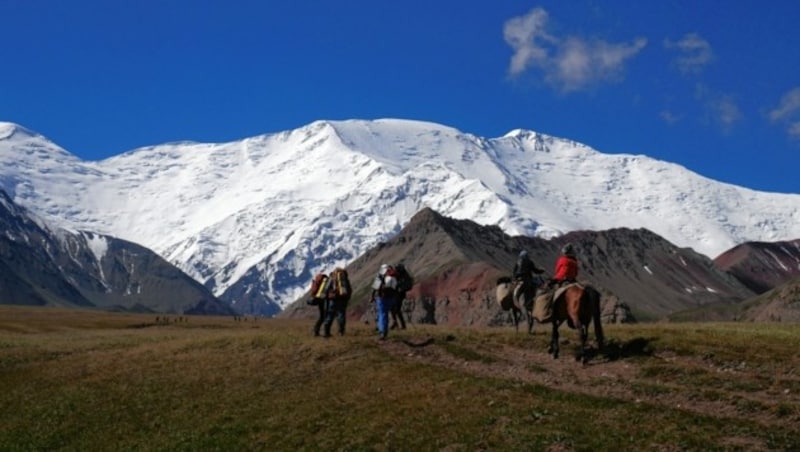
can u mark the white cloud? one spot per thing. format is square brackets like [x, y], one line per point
[569, 64]
[790, 103]
[669, 117]
[525, 35]
[725, 111]
[794, 130]
[720, 107]
[788, 111]
[695, 53]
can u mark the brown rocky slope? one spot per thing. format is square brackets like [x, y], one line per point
[456, 264]
[762, 266]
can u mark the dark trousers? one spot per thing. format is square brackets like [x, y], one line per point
[397, 313]
[527, 292]
[322, 306]
[336, 308]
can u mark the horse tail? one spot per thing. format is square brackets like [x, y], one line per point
[594, 296]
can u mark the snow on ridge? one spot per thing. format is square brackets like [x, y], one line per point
[286, 202]
[9, 130]
[777, 260]
[97, 243]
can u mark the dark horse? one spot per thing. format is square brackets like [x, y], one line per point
[578, 305]
[537, 286]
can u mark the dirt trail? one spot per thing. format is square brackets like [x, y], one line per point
[619, 377]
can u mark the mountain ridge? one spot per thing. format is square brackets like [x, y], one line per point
[456, 264]
[254, 219]
[762, 266]
[46, 265]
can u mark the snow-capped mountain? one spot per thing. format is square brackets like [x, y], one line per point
[254, 219]
[45, 265]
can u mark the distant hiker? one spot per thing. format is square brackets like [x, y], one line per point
[404, 283]
[384, 295]
[525, 274]
[318, 297]
[338, 295]
[566, 267]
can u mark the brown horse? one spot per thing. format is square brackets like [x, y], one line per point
[578, 305]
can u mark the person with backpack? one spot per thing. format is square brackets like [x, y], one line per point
[319, 298]
[338, 295]
[525, 274]
[384, 295]
[404, 284]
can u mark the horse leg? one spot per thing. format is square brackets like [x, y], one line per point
[553, 349]
[596, 319]
[584, 332]
[530, 322]
[516, 314]
[598, 335]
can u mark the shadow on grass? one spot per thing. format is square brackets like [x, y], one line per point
[638, 346]
[426, 341]
[615, 350]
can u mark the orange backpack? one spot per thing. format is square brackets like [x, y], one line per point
[318, 287]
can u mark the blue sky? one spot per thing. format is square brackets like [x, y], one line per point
[710, 85]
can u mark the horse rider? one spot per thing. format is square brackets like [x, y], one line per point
[525, 272]
[566, 267]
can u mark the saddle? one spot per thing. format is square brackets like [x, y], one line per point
[543, 304]
[505, 293]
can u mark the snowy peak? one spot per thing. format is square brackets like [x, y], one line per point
[9, 130]
[253, 219]
[46, 265]
[29, 145]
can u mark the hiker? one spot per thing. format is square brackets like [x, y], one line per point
[525, 273]
[566, 267]
[404, 284]
[384, 295]
[318, 297]
[338, 295]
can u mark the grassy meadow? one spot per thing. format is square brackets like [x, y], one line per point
[86, 380]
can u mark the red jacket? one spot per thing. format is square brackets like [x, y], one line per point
[566, 268]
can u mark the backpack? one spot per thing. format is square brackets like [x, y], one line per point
[390, 278]
[385, 281]
[340, 284]
[404, 279]
[318, 287]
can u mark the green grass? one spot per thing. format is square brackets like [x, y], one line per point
[81, 380]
